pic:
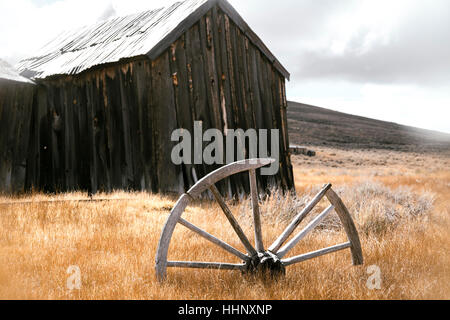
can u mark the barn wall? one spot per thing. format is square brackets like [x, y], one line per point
[16, 101]
[110, 128]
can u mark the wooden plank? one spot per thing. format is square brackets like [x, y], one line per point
[150, 156]
[266, 98]
[228, 99]
[34, 154]
[255, 88]
[236, 227]
[6, 91]
[237, 65]
[302, 234]
[315, 254]
[115, 129]
[165, 123]
[142, 87]
[200, 106]
[26, 97]
[133, 116]
[223, 69]
[217, 36]
[278, 123]
[205, 265]
[298, 219]
[212, 82]
[214, 22]
[259, 244]
[46, 181]
[100, 136]
[56, 119]
[125, 110]
[349, 226]
[76, 147]
[213, 239]
[13, 133]
[255, 93]
[246, 91]
[189, 63]
[212, 78]
[91, 134]
[102, 132]
[70, 132]
[183, 103]
[242, 183]
[83, 137]
[231, 71]
[285, 131]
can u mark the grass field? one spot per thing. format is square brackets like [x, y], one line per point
[400, 201]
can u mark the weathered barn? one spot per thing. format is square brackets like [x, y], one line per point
[16, 103]
[109, 96]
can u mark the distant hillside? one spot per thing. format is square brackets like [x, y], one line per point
[309, 125]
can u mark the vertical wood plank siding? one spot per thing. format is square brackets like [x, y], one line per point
[110, 128]
[16, 103]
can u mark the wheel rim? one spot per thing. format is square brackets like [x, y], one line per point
[257, 259]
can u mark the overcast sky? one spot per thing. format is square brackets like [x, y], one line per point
[385, 59]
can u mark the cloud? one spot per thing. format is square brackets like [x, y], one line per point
[415, 50]
[401, 41]
[109, 12]
[289, 26]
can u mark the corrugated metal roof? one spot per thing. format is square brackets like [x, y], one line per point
[146, 33]
[7, 72]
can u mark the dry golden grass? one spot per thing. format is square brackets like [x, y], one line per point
[114, 242]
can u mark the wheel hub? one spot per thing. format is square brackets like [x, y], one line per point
[265, 264]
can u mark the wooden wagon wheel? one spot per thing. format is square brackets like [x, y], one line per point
[257, 259]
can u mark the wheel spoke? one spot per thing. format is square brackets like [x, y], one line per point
[213, 239]
[256, 213]
[233, 221]
[204, 265]
[315, 254]
[304, 232]
[297, 220]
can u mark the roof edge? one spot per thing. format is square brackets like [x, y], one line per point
[228, 9]
[254, 38]
[25, 81]
[9, 73]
